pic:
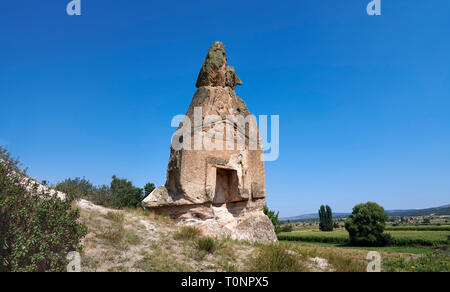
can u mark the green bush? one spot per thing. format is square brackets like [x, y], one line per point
[426, 221]
[274, 218]
[187, 233]
[286, 228]
[37, 230]
[207, 244]
[366, 225]
[124, 194]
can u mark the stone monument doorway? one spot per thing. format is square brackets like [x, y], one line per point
[227, 186]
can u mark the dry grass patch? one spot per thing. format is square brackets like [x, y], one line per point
[150, 215]
[116, 217]
[161, 260]
[344, 264]
[116, 234]
[277, 258]
[225, 255]
[340, 259]
[113, 234]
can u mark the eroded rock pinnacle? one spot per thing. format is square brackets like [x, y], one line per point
[215, 72]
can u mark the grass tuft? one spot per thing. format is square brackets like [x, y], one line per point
[187, 233]
[113, 234]
[207, 244]
[116, 217]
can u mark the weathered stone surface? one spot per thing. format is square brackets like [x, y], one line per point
[215, 72]
[161, 198]
[219, 190]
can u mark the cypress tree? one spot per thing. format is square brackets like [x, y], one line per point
[322, 222]
[325, 218]
[330, 224]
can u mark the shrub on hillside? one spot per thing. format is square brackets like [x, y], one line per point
[124, 193]
[366, 225]
[37, 230]
[274, 218]
[207, 244]
[187, 233]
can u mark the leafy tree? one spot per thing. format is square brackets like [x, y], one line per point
[148, 188]
[124, 194]
[101, 195]
[37, 230]
[366, 225]
[326, 218]
[76, 188]
[426, 221]
[274, 218]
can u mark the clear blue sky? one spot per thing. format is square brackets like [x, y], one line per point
[364, 102]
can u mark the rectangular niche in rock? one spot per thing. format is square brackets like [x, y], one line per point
[226, 186]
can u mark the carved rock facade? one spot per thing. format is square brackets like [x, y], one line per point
[220, 189]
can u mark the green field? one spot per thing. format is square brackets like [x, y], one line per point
[304, 228]
[419, 250]
[418, 228]
[400, 238]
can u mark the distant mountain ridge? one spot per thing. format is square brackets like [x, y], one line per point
[442, 210]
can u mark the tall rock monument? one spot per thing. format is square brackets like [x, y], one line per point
[215, 176]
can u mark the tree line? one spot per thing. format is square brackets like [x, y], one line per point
[120, 193]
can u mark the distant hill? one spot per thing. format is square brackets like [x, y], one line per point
[312, 216]
[437, 211]
[442, 210]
